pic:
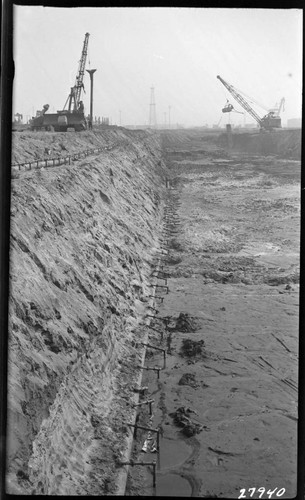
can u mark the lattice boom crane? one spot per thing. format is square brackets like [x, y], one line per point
[268, 122]
[74, 96]
[74, 116]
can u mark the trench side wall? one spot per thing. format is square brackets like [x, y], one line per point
[82, 241]
[283, 143]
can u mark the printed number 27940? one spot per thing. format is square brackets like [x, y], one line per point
[261, 492]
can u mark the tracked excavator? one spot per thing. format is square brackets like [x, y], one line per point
[270, 121]
[72, 115]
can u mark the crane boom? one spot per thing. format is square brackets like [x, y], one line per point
[240, 99]
[278, 107]
[75, 93]
[81, 70]
[282, 105]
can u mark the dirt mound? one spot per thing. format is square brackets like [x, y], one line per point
[189, 379]
[192, 348]
[184, 323]
[176, 245]
[172, 260]
[182, 419]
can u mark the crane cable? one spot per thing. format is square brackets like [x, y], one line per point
[251, 100]
[227, 94]
[219, 121]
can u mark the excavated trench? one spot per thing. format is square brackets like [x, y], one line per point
[183, 246]
[226, 401]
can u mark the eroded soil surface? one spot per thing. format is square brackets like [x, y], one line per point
[82, 240]
[226, 401]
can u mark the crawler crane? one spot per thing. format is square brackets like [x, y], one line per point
[74, 116]
[270, 121]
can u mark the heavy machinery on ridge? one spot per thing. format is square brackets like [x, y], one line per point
[270, 121]
[73, 116]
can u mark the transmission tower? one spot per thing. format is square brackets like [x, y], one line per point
[152, 109]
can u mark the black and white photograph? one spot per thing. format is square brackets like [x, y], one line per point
[153, 308]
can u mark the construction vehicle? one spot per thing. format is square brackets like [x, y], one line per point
[270, 121]
[73, 116]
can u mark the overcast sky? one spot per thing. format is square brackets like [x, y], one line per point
[178, 51]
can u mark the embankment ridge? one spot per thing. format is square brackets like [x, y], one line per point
[82, 241]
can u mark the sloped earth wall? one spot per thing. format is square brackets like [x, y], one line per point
[283, 143]
[83, 238]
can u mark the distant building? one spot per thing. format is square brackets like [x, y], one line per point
[18, 118]
[294, 123]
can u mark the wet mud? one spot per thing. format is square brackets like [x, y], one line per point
[226, 400]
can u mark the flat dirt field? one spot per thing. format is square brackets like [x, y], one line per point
[227, 400]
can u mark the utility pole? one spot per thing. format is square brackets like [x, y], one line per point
[120, 116]
[91, 72]
[152, 109]
[169, 116]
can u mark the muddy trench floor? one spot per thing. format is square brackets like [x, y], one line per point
[226, 401]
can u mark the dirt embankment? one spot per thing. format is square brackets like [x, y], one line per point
[282, 143]
[82, 240]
